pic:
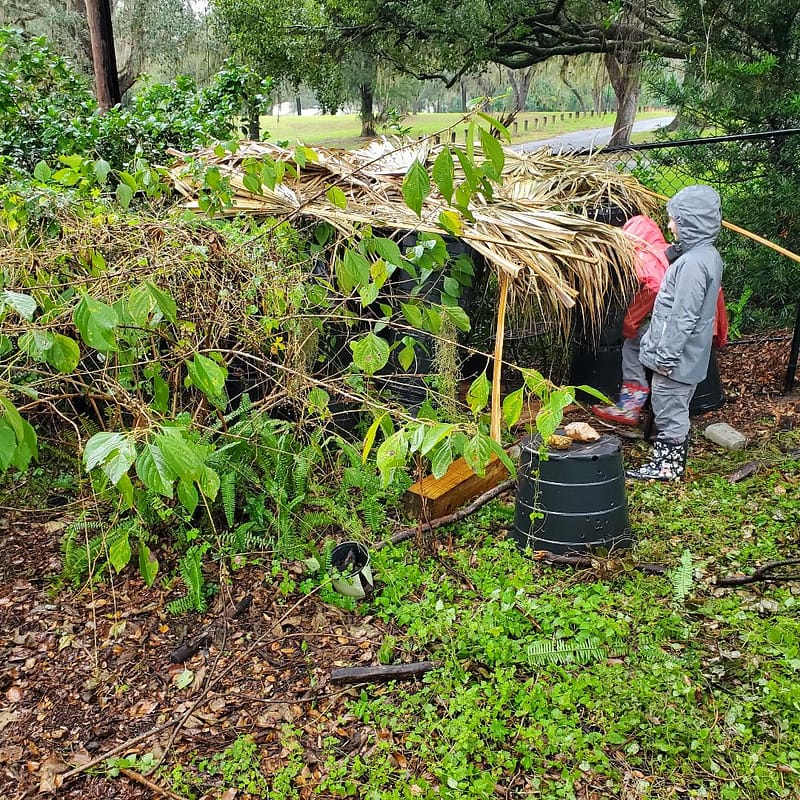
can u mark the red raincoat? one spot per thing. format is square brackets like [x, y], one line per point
[651, 264]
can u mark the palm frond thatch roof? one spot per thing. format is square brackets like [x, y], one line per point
[534, 229]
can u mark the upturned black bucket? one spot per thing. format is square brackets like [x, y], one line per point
[574, 500]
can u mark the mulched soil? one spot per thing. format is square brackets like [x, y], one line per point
[83, 672]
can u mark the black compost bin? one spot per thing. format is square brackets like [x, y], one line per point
[577, 498]
[408, 386]
[709, 395]
[597, 358]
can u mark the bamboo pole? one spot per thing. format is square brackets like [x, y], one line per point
[744, 232]
[766, 242]
[500, 332]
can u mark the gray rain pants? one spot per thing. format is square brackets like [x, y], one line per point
[670, 401]
[632, 368]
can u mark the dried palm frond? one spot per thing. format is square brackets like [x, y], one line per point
[535, 228]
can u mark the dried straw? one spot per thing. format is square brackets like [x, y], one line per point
[534, 228]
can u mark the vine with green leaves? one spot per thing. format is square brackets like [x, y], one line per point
[170, 345]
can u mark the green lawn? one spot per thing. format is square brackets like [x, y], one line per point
[342, 130]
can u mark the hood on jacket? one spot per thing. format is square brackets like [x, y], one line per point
[649, 245]
[646, 229]
[697, 213]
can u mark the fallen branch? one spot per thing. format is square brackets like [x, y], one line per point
[191, 648]
[766, 573]
[610, 564]
[153, 787]
[456, 516]
[388, 672]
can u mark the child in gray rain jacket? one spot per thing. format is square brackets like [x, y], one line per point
[677, 343]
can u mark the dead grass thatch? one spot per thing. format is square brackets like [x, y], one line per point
[534, 229]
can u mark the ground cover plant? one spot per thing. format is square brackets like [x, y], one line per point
[549, 682]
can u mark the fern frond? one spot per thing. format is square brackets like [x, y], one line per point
[245, 538]
[682, 578]
[373, 512]
[313, 521]
[88, 557]
[289, 544]
[562, 652]
[191, 570]
[227, 491]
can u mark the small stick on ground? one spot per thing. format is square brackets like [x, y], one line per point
[766, 573]
[585, 562]
[153, 787]
[385, 672]
[191, 648]
[745, 471]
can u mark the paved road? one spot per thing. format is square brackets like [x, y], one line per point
[592, 137]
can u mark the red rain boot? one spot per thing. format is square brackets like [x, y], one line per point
[628, 409]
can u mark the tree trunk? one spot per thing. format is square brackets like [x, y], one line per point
[463, 97]
[520, 80]
[104, 59]
[367, 113]
[298, 104]
[129, 73]
[253, 121]
[625, 79]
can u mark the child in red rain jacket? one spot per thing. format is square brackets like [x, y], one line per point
[651, 264]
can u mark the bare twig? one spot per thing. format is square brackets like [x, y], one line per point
[589, 561]
[766, 573]
[153, 787]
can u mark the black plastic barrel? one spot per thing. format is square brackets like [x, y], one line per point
[407, 385]
[709, 395]
[574, 500]
[598, 366]
[597, 357]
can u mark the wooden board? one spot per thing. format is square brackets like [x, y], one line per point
[436, 497]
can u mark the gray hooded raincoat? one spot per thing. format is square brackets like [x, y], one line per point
[678, 340]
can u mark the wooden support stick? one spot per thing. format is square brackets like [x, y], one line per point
[500, 331]
[388, 672]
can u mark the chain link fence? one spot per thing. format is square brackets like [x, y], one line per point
[755, 174]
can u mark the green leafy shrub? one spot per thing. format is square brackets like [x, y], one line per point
[47, 110]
